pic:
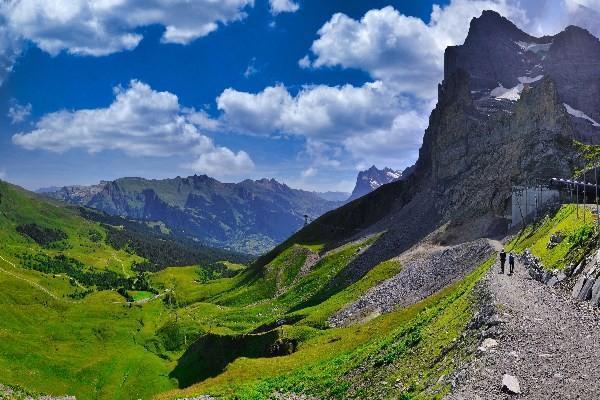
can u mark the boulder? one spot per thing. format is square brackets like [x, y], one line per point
[488, 344]
[578, 286]
[579, 268]
[596, 293]
[510, 384]
[586, 290]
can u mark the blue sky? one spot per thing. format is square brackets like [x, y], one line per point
[224, 92]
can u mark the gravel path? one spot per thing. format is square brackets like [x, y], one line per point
[550, 343]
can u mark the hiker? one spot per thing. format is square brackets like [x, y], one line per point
[511, 263]
[502, 260]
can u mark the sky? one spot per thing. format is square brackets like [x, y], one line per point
[304, 91]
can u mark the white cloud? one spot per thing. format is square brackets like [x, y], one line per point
[405, 55]
[19, 113]
[100, 27]
[401, 50]
[304, 62]
[251, 69]
[139, 122]
[281, 6]
[2, 174]
[548, 17]
[320, 111]
[355, 119]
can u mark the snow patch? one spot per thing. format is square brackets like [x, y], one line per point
[580, 114]
[526, 79]
[534, 47]
[502, 93]
[394, 175]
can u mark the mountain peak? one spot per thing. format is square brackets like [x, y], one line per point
[490, 24]
[371, 179]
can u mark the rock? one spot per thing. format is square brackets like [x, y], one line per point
[510, 384]
[579, 268]
[586, 290]
[578, 286]
[495, 320]
[488, 344]
[552, 281]
[595, 301]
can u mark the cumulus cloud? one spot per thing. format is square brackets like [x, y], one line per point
[281, 6]
[546, 17]
[18, 112]
[107, 26]
[404, 55]
[356, 119]
[139, 122]
[102, 27]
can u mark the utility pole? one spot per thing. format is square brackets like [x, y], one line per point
[577, 204]
[596, 187]
[584, 198]
[526, 201]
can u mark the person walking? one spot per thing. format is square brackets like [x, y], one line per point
[511, 263]
[502, 260]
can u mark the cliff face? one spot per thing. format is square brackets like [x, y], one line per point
[505, 115]
[470, 158]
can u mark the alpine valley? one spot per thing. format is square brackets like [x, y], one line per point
[142, 289]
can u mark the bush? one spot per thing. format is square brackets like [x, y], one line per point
[580, 236]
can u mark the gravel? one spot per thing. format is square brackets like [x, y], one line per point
[547, 341]
[421, 276]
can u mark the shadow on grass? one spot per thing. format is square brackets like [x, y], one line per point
[210, 355]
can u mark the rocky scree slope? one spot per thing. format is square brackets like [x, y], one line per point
[250, 216]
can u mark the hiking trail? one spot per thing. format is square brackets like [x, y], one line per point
[546, 340]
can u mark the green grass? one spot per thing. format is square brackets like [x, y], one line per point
[139, 295]
[19, 207]
[415, 344]
[537, 236]
[202, 333]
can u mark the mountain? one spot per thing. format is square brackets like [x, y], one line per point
[504, 117]
[388, 296]
[371, 179]
[250, 216]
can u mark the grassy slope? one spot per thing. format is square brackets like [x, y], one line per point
[415, 343]
[537, 236]
[20, 207]
[100, 348]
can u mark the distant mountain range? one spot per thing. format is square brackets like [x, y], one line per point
[250, 216]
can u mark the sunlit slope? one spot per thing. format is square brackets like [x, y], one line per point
[415, 347]
[230, 331]
[573, 224]
[85, 240]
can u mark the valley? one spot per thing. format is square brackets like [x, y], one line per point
[190, 288]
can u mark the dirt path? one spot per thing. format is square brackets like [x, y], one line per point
[547, 341]
[34, 284]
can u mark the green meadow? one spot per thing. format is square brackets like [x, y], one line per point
[194, 333]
